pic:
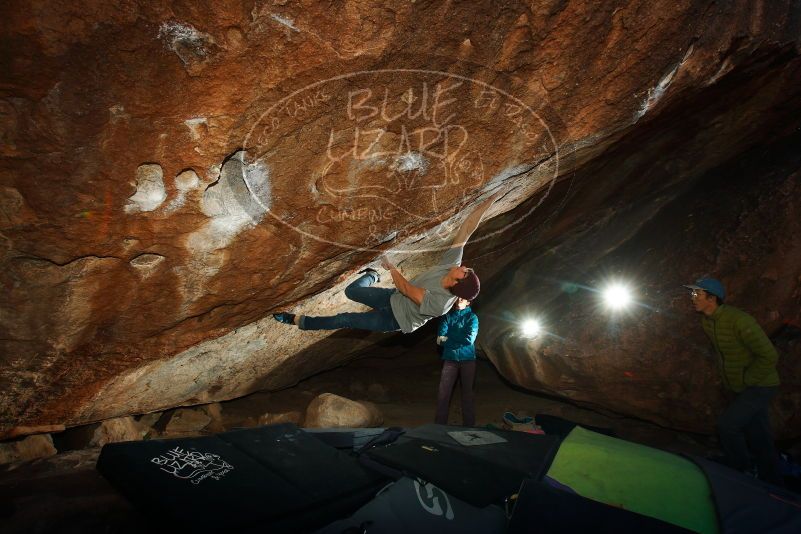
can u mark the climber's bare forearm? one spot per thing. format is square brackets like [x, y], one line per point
[472, 221]
[406, 288]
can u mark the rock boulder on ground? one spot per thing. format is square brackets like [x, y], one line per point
[329, 410]
[149, 420]
[116, 430]
[214, 411]
[294, 417]
[186, 420]
[27, 448]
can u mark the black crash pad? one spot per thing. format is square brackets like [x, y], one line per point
[319, 471]
[745, 504]
[197, 483]
[411, 506]
[275, 478]
[479, 475]
[529, 454]
[543, 508]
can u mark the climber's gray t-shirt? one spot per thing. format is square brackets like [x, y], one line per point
[436, 301]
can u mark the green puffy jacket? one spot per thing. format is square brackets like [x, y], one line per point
[747, 356]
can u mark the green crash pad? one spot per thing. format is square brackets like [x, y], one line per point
[635, 477]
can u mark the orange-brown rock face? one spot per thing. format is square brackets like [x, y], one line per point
[172, 173]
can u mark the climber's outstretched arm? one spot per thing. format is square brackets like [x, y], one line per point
[472, 221]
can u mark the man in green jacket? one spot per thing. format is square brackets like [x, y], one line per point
[747, 361]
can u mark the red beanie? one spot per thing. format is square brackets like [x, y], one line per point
[468, 287]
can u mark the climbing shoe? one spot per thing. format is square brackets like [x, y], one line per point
[284, 317]
[372, 271]
[513, 419]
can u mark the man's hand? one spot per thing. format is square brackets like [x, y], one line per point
[386, 264]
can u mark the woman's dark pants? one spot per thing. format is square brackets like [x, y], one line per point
[466, 372]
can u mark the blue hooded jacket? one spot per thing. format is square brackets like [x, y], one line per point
[461, 329]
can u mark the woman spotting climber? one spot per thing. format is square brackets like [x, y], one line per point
[413, 303]
[457, 336]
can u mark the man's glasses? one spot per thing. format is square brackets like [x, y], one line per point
[695, 293]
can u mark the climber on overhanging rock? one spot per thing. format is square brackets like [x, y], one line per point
[413, 303]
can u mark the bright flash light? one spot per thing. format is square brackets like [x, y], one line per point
[617, 296]
[531, 328]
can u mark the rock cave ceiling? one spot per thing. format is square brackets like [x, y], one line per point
[173, 173]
